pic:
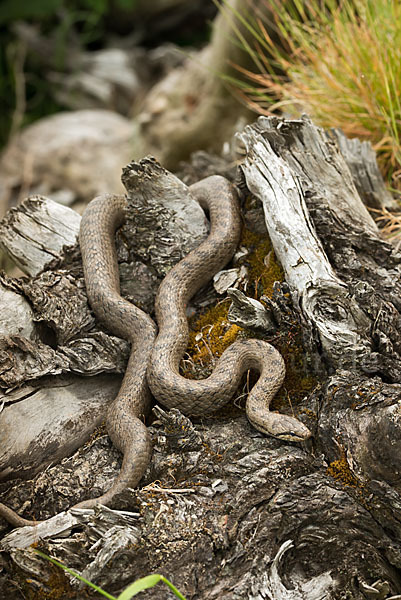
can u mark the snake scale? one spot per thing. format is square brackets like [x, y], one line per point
[154, 359]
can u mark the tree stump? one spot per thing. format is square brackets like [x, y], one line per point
[224, 511]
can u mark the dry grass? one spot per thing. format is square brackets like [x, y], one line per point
[338, 61]
[390, 224]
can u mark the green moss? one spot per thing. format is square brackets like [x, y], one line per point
[211, 333]
[298, 382]
[263, 266]
[264, 270]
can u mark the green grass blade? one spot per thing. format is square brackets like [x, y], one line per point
[172, 588]
[132, 590]
[147, 582]
[139, 585]
[71, 572]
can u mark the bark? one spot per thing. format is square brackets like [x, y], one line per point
[224, 511]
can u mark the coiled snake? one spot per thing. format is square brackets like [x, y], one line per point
[155, 360]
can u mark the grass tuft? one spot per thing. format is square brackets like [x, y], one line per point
[339, 61]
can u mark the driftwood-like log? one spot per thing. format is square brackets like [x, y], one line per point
[327, 243]
[223, 511]
[40, 425]
[72, 155]
[34, 233]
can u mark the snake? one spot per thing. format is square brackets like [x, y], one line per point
[154, 360]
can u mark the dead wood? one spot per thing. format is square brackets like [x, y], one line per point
[71, 156]
[49, 330]
[224, 511]
[193, 107]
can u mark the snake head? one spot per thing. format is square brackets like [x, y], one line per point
[289, 429]
[282, 427]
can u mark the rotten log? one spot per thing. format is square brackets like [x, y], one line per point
[225, 511]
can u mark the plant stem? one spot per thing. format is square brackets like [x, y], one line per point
[173, 588]
[74, 574]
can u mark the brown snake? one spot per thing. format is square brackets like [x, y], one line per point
[124, 425]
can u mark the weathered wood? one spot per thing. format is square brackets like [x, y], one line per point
[361, 161]
[15, 313]
[34, 233]
[61, 525]
[191, 107]
[56, 334]
[61, 337]
[42, 424]
[79, 153]
[164, 222]
[221, 504]
[298, 171]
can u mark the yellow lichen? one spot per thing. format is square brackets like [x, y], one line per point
[340, 471]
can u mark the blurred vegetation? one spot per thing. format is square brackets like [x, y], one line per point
[85, 18]
[337, 60]
[25, 93]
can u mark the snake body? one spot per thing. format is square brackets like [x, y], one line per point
[155, 360]
[102, 217]
[205, 396]
[123, 422]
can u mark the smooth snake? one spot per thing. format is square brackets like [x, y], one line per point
[154, 359]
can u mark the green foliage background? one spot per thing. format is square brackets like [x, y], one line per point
[87, 18]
